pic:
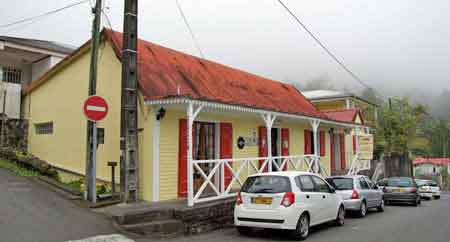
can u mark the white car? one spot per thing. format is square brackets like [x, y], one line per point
[287, 200]
[428, 189]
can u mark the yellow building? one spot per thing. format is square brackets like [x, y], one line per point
[346, 107]
[203, 127]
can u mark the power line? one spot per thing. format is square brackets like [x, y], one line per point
[328, 51]
[34, 18]
[191, 32]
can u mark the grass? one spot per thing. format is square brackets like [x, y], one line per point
[17, 169]
[74, 185]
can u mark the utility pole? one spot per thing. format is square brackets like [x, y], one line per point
[128, 125]
[91, 146]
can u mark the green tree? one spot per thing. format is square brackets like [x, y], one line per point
[398, 124]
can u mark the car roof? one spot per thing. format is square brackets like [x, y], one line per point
[347, 176]
[285, 173]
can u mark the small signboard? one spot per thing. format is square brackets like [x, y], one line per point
[365, 143]
[95, 108]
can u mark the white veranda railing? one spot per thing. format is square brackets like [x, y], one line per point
[222, 178]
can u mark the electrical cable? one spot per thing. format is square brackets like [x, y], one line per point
[34, 18]
[328, 51]
[191, 32]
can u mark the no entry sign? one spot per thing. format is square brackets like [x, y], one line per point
[95, 108]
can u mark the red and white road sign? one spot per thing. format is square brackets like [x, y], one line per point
[95, 108]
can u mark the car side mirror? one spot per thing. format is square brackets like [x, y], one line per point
[332, 190]
[375, 187]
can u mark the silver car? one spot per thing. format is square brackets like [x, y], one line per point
[358, 192]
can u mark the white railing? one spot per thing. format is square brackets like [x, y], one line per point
[238, 170]
[358, 165]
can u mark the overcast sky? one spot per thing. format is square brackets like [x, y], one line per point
[390, 44]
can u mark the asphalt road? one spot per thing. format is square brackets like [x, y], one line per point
[428, 222]
[30, 212]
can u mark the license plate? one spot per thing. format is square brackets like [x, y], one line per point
[398, 190]
[262, 200]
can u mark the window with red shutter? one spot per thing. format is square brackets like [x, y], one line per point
[285, 144]
[262, 144]
[322, 143]
[308, 142]
[182, 158]
[226, 148]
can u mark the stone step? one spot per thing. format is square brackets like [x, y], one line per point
[144, 216]
[161, 229]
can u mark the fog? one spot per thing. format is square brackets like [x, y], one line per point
[399, 47]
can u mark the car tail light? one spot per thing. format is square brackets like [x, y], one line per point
[355, 194]
[288, 199]
[238, 199]
[413, 190]
[385, 189]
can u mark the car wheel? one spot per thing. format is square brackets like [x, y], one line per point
[340, 218]
[437, 197]
[243, 230]
[416, 202]
[362, 209]
[301, 232]
[380, 207]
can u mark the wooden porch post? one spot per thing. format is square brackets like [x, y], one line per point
[315, 126]
[192, 114]
[268, 120]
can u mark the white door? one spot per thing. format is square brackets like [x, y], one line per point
[310, 197]
[328, 199]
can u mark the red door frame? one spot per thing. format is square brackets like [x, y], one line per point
[342, 150]
[226, 148]
[332, 152]
[285, 144]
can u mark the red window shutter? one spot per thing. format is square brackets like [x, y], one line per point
[262, 143]
[354, 144]
[182, 158]
[226, 148]
[342, 146]
[322, 143]
[285, 144]
[308, 142]
[332, 151]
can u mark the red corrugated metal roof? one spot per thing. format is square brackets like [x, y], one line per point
[344, 115]
[166, 73]
[434, 161]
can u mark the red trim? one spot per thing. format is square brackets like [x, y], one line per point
[285, 144]
[354, 144]
[226, 148]
[322, 143]
[332, 151]
[342, 147]
[182, 158]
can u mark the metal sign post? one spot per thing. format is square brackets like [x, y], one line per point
[95, 108]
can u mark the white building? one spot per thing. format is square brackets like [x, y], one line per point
[22, 61]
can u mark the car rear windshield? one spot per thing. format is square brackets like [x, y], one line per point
[340, 183]
[433, 184]
[267, 184]
[422, 183]
[400, 182]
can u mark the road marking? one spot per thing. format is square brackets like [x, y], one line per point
[105, 238]
[95, 108]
